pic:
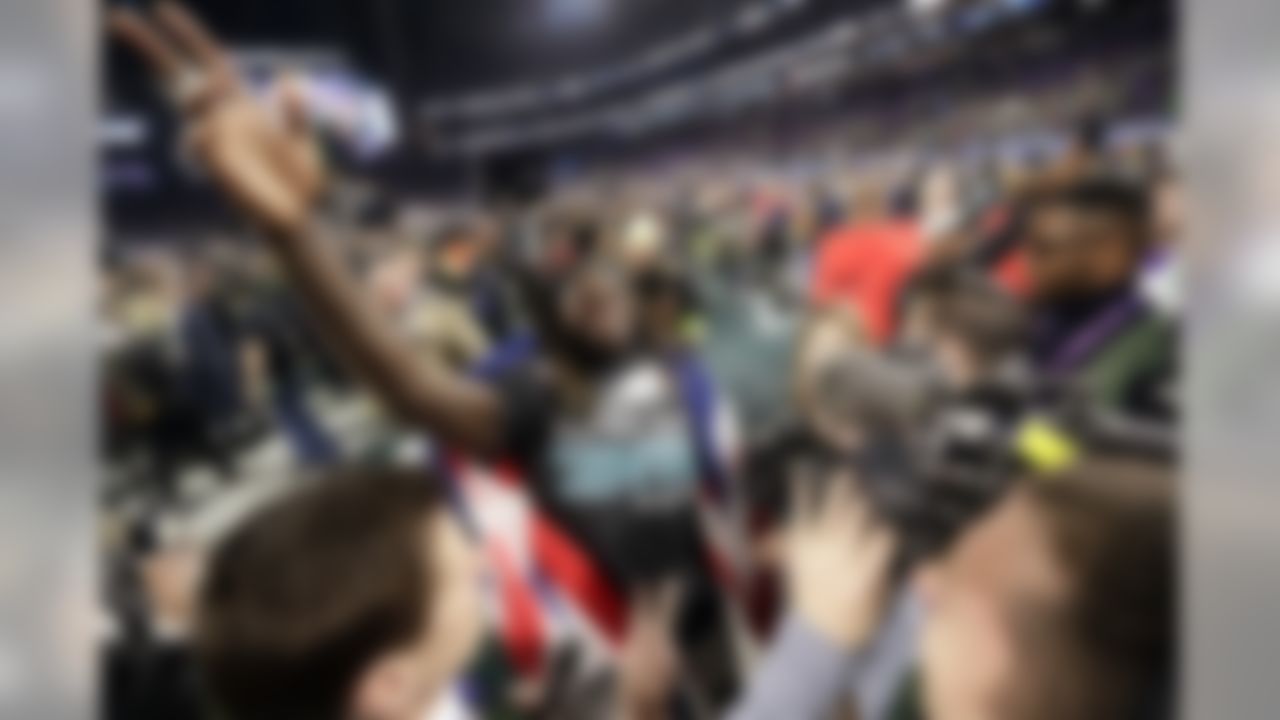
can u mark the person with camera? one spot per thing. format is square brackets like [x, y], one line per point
[1057, 604]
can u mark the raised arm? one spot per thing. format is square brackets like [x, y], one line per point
[837, 559]
[268, 168]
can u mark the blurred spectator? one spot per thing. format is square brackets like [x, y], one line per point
[357, 597]
[278, 329]
[1085, 245]
[211, 341]
[1057, 604]
[463, 264]
[1060, 603]
[865, 263]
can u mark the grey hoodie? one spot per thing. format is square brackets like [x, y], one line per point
[804, 676]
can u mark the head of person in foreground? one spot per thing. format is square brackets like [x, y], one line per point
[355, 598]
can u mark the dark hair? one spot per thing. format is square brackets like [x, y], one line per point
[307, 592]
[664, 283]
[581, 231]
[450, 234]
[1111, 525]
[1125, 201]
[454, 231]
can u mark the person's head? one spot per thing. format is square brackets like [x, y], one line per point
[961, 321]
[642, 242]
[458, 248]
[394, 277]
[567, 240]
[586, 315]
[1058, 603]
[870, 201]
[1084, 155]
[598, 314]
[354, 599]
[824, 342]
[1086, 240]
[665, 300]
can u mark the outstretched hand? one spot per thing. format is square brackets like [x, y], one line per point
[837, 559]
[268, 164]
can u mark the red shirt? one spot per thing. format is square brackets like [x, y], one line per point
[865, 265]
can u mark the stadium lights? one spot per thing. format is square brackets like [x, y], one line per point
[823, 57]
[686, 48]
[695, 44]
[574, 14]
[927, 7]
[575, 87]
[753, 18]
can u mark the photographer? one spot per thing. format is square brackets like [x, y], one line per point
[840, 391]
[932, 436]
[835, 561]
[1057, 604]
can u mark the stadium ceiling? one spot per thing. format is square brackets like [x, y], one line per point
[433, 50]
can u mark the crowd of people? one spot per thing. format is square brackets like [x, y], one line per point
[887, 440]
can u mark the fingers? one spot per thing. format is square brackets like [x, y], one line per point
[289, 92]
[835, 506]
[841, 502]
[881, 547]
[192, 37]
[137, 33]
[804, 496]
[195, 69]
[826, 500]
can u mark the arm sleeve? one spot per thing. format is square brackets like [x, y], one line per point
[885, 667]
[527, 410]
[802, 678]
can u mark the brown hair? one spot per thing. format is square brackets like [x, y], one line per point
[303, 596]
[1111, 525]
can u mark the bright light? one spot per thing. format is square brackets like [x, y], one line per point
[926, 7]
[753, 18]
[567, 14]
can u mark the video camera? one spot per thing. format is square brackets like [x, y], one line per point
[931, 459]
